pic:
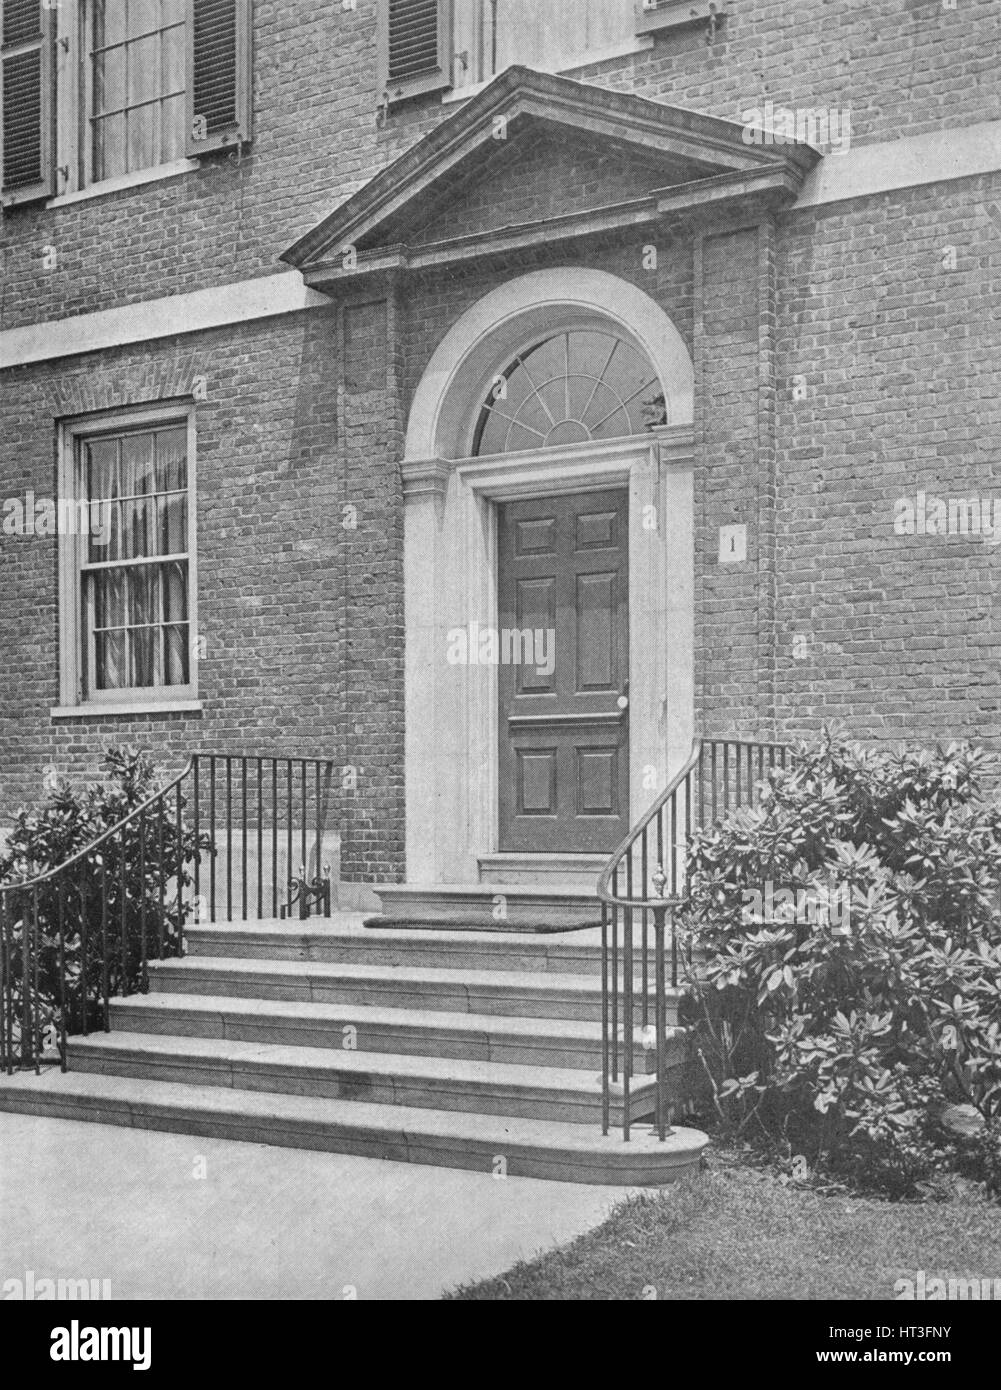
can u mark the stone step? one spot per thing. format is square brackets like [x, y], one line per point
[521, 994]
[556, 907]
[344, 940]
[423, 1083]
[475, 1037]
[450, 1139]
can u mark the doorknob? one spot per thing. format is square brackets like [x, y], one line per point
[623, 701]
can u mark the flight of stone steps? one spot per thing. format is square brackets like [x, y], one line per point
[475, 1050]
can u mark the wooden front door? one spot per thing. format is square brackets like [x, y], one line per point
[563, 589]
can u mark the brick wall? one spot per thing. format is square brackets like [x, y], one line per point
[901, 359]
[301, 617]
[903, 67]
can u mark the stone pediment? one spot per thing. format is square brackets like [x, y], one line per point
[535, 157]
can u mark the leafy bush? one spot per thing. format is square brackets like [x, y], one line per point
[848, 962]
[124, 895]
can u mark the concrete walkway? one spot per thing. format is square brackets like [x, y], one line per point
[168, 1216]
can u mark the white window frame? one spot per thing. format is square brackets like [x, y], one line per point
[74, 630]
[74, 152]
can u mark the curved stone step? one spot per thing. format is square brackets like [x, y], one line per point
[523, 994]
[344, 940]
[423, 1083]
[370, 1028]
[489, 1144]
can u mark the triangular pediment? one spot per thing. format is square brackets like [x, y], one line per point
[532, 152]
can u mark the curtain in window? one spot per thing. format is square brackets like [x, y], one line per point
[139, 597]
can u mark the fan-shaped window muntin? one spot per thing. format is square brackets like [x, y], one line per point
[575, 387]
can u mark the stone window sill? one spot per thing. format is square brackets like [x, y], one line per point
[136, 180]
[115, 711]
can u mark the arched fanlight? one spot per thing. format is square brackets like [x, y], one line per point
[572, 388]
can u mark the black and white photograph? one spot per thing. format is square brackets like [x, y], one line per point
[500, 697]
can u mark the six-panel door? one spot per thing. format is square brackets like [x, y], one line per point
[563, 653]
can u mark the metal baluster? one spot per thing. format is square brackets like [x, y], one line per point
[288, 862]
[303, 901]
[659, 916]
[614, 993]
[212, 838]
[260, 839]
[318, 869]
[162, 883]
[36, 1008]
[105, 981]
[243, 837]
[5, 971]
[712, 773]
[196, 795]
[84, 946]
[61, 957]
[126, 982]
[627, 1019]
[229, 839]
[144, 976]
[274, 837]
[179, 831]
[644, 861]
[606, 1079]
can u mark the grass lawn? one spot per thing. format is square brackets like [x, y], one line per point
[735, 1232]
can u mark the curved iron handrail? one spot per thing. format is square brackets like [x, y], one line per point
[625, 845]
[23, 885]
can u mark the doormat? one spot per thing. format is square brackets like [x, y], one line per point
[512, 928]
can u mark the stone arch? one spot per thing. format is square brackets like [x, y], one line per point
[506, 321]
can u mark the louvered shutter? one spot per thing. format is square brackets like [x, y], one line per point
[219, 77]
[415, 47]
[27, 101]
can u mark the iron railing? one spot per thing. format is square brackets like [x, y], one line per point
[227, 837]
[640, 888]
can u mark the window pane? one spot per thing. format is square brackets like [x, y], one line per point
[109, 21]
[109, 655]
[176, 655]
[141, 78]
[109, 80]
[109, 599]
[175, 592]
[172, 521]
[144, 69]
[109, 147]
[144, 657]
[172, 459]
[144, 15]
[138, 468]
[137, 528]
[142, 137]
[173, 59]
[144, 595]
[102, 469]
[172, 130]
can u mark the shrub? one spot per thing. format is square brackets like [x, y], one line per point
[125, 893]
[848, 962]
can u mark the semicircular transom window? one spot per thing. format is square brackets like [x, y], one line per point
[576, 387]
